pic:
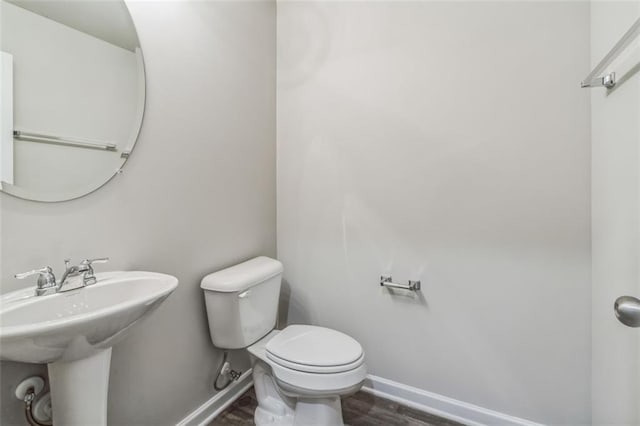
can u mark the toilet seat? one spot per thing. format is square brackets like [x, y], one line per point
[312, 361]
[314, 368]
[314, 385]
[315, 349]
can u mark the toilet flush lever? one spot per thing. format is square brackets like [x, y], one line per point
[244, 294]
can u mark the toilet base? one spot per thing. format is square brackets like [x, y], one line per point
[275, 408]
[263, 417]
[320, 411]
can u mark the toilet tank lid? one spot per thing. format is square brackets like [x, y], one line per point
[242, 276]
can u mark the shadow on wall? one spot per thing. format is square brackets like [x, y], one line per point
[284, 305]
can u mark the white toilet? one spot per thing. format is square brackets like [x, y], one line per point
[300, 372]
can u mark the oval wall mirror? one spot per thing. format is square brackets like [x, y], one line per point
[72, 94]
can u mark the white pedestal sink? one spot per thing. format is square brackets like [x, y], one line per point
[73, 332]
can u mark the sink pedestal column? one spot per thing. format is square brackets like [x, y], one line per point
[79, 390]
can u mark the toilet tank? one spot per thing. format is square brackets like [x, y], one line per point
[242, 302]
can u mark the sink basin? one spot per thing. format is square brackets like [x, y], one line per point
[73, 325]
[73, 333]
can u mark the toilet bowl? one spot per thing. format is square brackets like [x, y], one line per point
[299, 373]
[303, 371]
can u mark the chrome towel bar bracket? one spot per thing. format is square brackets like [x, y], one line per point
[386, 281]
[608, 81]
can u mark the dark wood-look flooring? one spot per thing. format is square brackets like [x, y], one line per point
[360, 409]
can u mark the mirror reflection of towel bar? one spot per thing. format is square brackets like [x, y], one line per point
[386, 281]
[59, 140]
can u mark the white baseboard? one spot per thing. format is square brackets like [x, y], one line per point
[217, 403]
[419, 399]
[439, 405]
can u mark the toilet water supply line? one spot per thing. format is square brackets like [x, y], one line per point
[225, 369]
[29, 396]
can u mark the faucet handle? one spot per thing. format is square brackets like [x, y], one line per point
[46, 279]
[97, 260]
[45, 272]
[89, 277]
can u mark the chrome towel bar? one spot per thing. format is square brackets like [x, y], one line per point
[65, 141]
[387, 281]
[609, 79]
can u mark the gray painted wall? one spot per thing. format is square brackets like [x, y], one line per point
[197, 194]
[447, 142]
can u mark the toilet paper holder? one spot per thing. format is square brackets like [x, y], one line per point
[387, 281]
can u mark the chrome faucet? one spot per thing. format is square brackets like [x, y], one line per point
[85, 268]
[47, 284]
